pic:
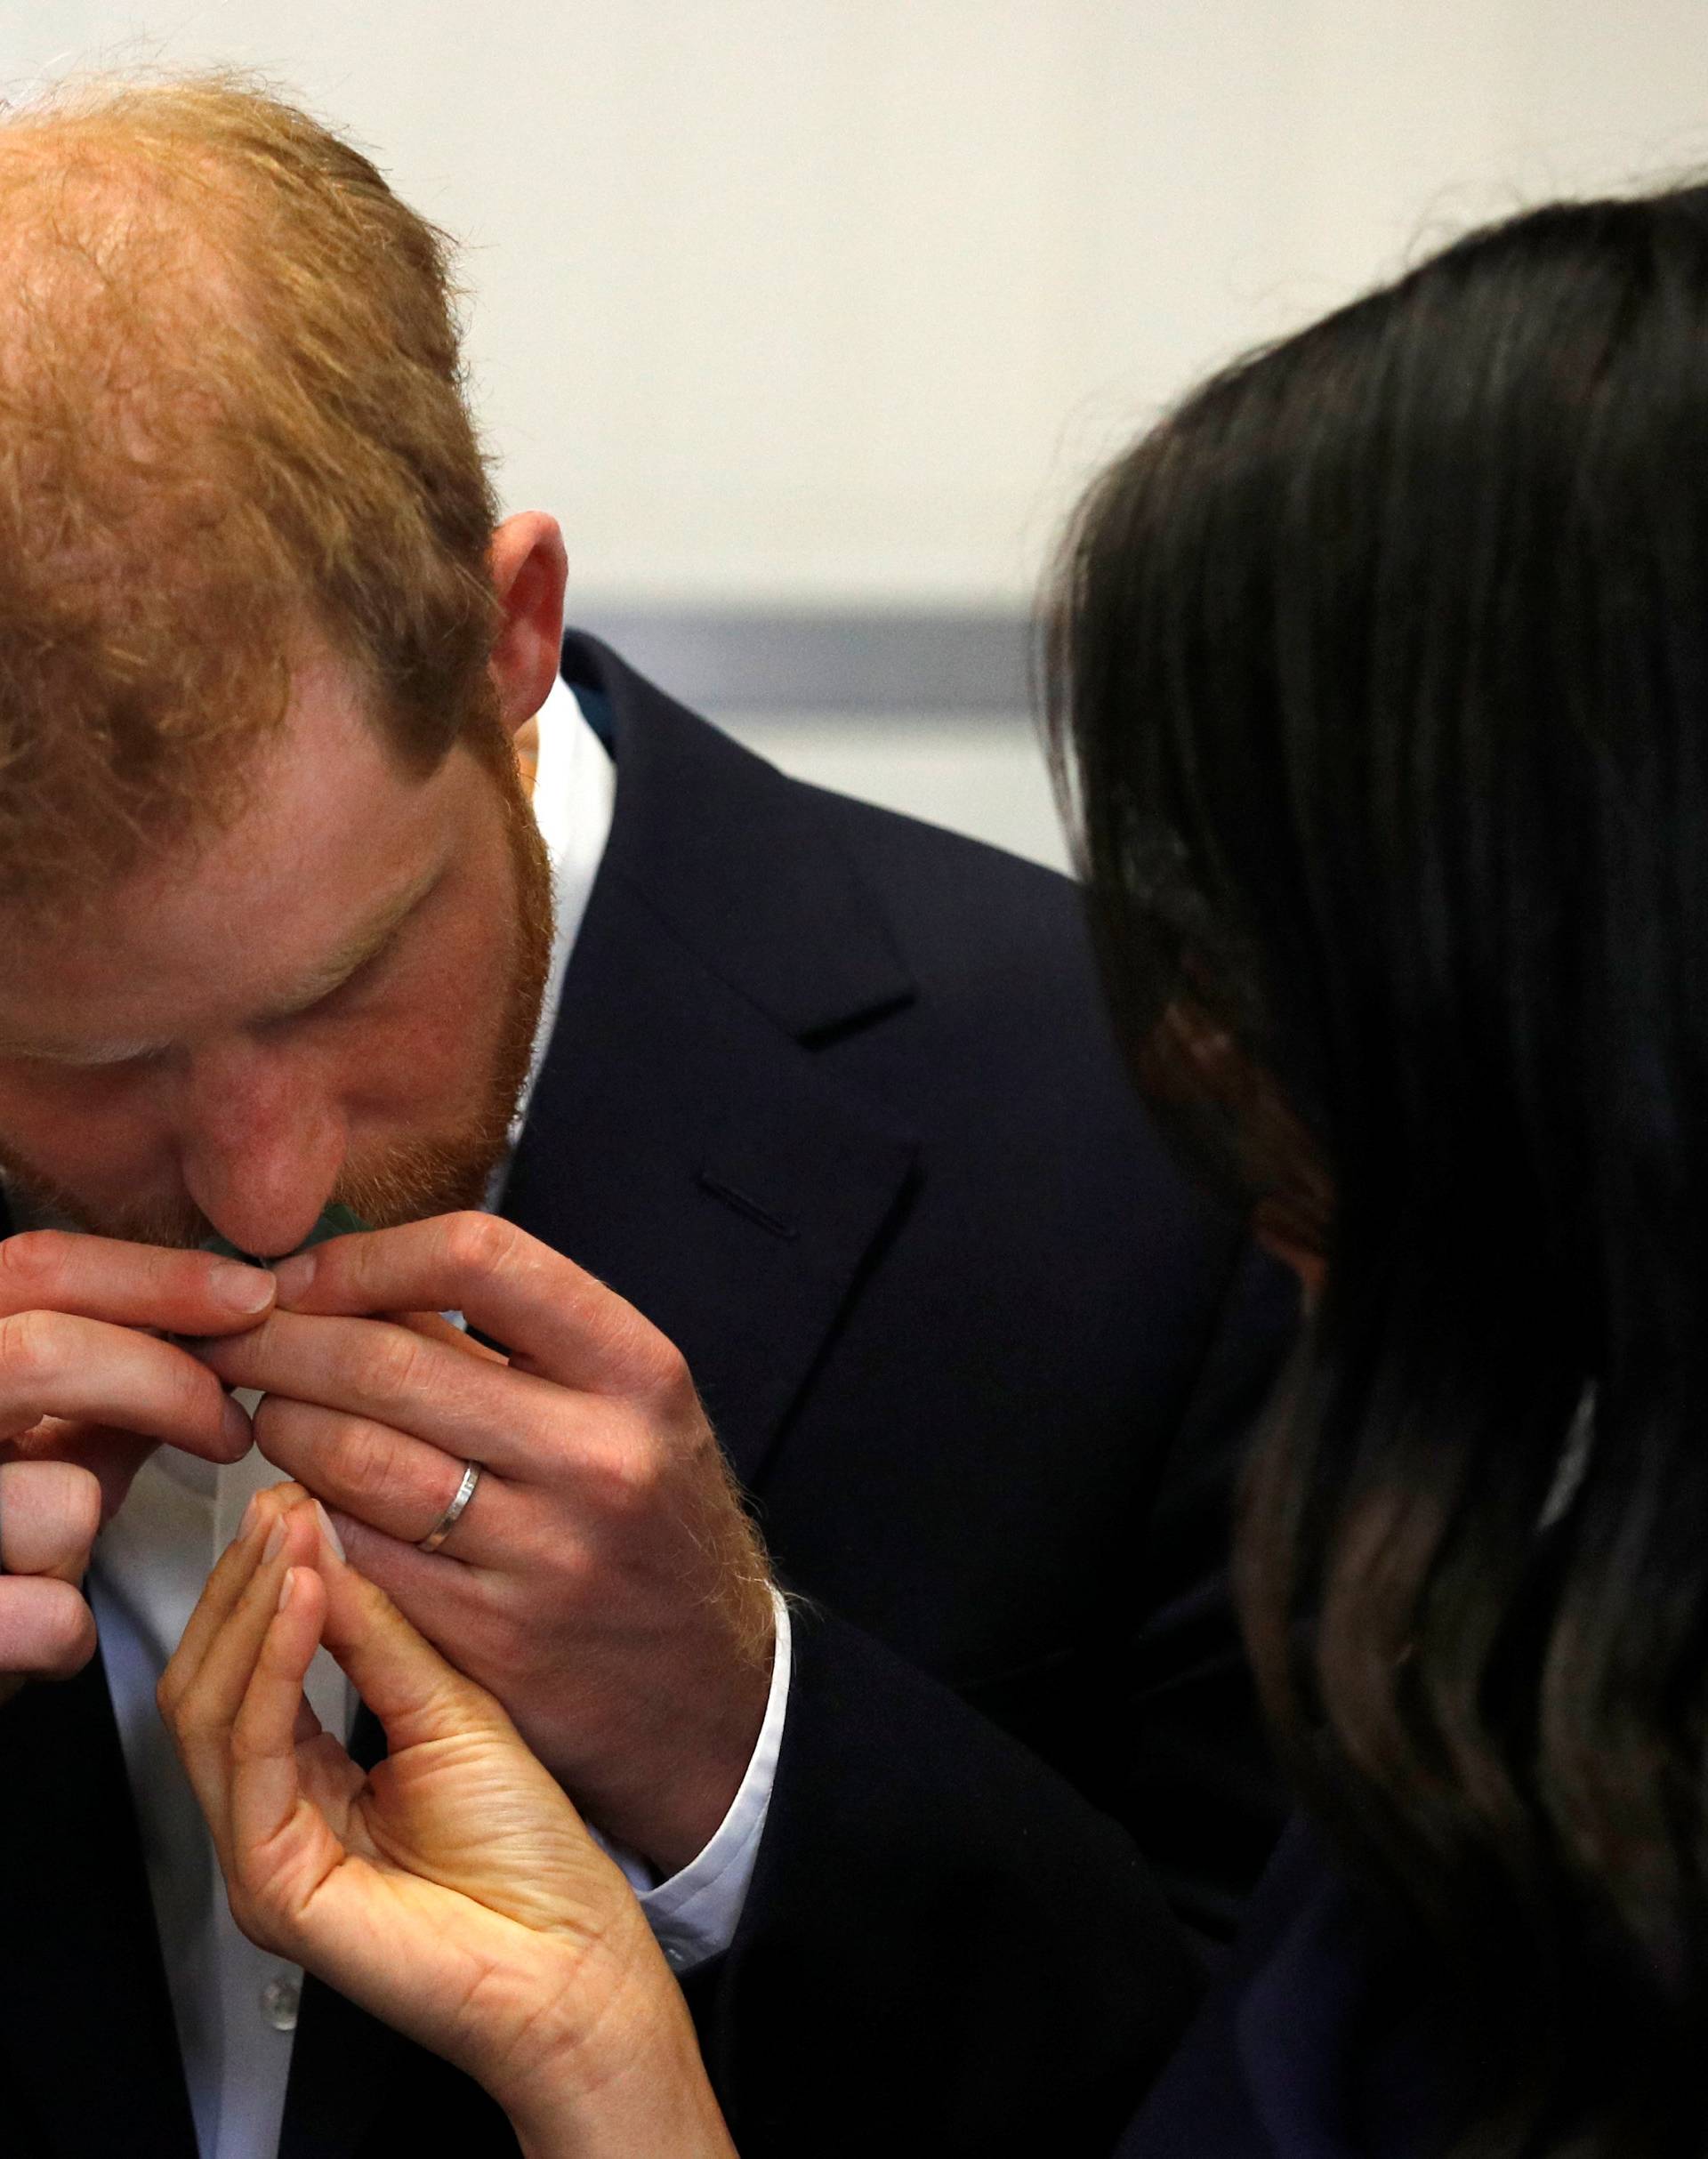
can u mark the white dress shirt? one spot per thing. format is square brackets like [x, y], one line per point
[235, 2007]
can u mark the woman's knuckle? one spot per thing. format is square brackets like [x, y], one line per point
[171, 1696]
[194, 1727]
[255, 1912]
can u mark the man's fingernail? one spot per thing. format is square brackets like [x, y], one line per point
[294, 1275]
[329, 1533]
[238, 1430]
[275, 1539]
[245, 1289]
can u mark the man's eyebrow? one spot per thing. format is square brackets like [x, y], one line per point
[347, 959]
[354, 953]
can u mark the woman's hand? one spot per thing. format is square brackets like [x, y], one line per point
[453, 1890]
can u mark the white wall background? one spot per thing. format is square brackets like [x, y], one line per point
[826, 301]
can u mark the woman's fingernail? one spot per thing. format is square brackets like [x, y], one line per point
[251, 1516]
[294, 1275]
[330, 1534]
[245, 1289]
[275, 1540]
[287, 1588]
[237, 1427]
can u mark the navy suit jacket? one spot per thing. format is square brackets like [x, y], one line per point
[830, 1099]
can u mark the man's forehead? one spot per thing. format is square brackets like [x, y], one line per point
[257, 986]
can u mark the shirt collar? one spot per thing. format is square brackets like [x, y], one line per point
[574, 798]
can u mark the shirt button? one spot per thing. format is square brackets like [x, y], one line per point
[675, 1957]
[281, 1999]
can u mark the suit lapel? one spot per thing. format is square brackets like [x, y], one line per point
[688, 1153]
[685, 1143]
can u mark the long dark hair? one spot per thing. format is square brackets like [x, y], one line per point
[1380, 674]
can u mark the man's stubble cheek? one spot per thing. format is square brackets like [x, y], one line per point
[437, 1175]
[44, 1198]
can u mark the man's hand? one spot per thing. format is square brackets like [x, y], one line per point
[49, 1514]
[86, 1393]
[604, 1582]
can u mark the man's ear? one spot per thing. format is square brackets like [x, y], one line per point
[529, 570]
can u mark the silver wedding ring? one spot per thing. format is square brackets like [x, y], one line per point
[454, 1513]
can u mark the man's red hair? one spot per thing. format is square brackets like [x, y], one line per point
[232, 423]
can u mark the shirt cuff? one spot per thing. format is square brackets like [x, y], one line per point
[694, 1914]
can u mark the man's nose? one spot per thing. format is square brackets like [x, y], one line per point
[260, 1144]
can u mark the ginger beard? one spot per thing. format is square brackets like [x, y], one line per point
[416, 1177]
